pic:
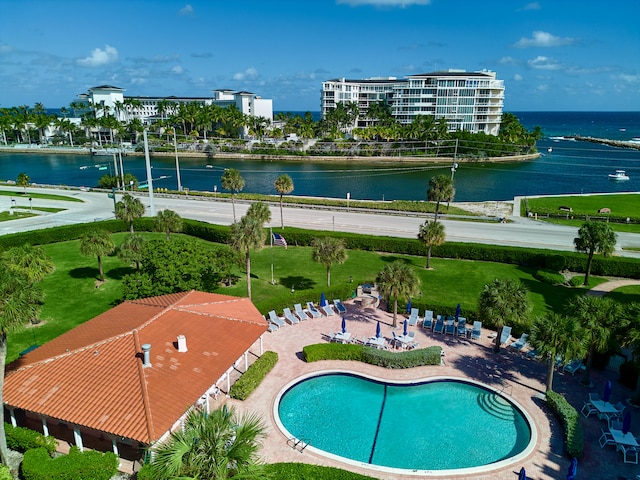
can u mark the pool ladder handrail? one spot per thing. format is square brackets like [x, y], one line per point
[293, 442]
[505, 387]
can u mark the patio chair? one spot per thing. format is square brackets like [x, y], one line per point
[630, 453]
[606, 439]
[477, 330]
[332, 336]
[290, 317]
[520, 343]
[593, 396]
[439, 327]
[588, 409]
[272, 327]
[450, 328]
[339, 306]
[273, 318]
[428, 323]
[313, 311]
[428, 314]
[573, 366]
[505, 335]
[300, 312]
[462, 327]
[615, 424]
[413, 318]
[328, 310]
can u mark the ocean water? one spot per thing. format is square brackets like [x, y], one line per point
[570, 167]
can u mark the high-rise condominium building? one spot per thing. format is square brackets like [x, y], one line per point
[469, 101]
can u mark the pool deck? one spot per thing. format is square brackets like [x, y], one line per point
[519, 376]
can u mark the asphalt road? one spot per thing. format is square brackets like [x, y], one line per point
[97, 206]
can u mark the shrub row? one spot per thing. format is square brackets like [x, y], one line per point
[88, 465]
[22, 439]
[251, 379]
[570, 420]
[5, 473]
[295, 471]
[382, 358]
[549, 276]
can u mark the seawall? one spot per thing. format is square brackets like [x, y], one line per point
[611, 143]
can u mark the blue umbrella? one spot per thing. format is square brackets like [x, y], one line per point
[344, 325]
[458, 310]
[626, 422]
[522, 475]
[378, 334]
[405, 328]
[573, 469]
[409, 306]
[323, 300]
[606, 394]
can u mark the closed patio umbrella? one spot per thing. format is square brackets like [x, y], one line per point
[606, 394]
[409, 306]
[573, 469]
[523, 474]
[344, 325]
[405, 328]
[626, 422]
[378, 334]
[458, 310]
[323, 300]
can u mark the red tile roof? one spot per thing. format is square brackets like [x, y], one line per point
[93, 376]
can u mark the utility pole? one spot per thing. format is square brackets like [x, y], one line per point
[152, 207]
[175, 146]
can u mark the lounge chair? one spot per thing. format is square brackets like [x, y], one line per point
[412, 343]
[477, 330]
[273, 318]
[505, 335]
[339, 306]
[606, 439]
[428, 314]
[630, 453]
[290, 317]
[313, 310]
[615, 424]
[272, 327]
[520, 343]
[328, 310]
[462, 327]
[439, 327]
[614, 417]
[573, 366]
[413, 318]
[332, 336]
[450, 328]
[588, 409]
[300, 312]
[428, 323]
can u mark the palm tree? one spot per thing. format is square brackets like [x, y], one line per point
[260, 211]
[31, 261]
[327, 251]
[598, 317]
[130, 250]
[169, 222]
[128, 209]
[432, 235]
[20, 302]
[556, 335]
[246, 234]
[97, 243]
[233, 181]
[594, 237]
[213, 446]
[284, 185]
[23, 180]
[632, 339]
[503, 302]
[398, 280]
[440, 190]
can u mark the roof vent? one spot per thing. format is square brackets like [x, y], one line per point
[146, 349]
[182, 343]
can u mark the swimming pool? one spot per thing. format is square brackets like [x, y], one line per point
[432, 426]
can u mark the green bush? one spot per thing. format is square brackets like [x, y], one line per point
[570, 420]
[555, 263]
[372, 356]
[145, 473]
[251, 379]
[22, 439]
[332, 351]
[5, 473]
[297, 471]
[77, 465]
[577, 281]
[549, 276]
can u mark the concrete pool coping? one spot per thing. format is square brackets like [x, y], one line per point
[481, 469]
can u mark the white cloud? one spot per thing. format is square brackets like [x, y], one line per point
[532, 6]
[100, 57]
[177, 70]
[186, 10]
[543, 39]
[628, 78]
[4, 48]
[249, 74]
[508, 61]
[138, 81]
[517, 77]
[542, 88]
[544, 63]
[384, 3]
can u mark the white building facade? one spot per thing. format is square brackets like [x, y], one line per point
[471, 101]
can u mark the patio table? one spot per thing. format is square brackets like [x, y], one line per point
[376, 342]
[342, 337]
[626, 439]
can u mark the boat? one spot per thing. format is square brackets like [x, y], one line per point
[619, 175]
[549, 149]
[84, 167]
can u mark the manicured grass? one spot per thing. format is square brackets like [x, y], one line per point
[47, 196]
[5, 216]
[616, 227]
[72, 297]
[626, 295]
[302, 471]
[623, 205]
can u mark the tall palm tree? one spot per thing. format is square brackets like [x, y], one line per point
[214, 446]
[128, 209]
[440, 190]
[23, 180]
[556, 335]
[233, 181]
[97, 243]
[432, 235]
[284, 185]
[260, 211]
[398, 280]
[246, 234]
[30, 261]
[595, 237]
[130, 250]
[598, 317]
[504, 302]
[169, 222]
[327, 251]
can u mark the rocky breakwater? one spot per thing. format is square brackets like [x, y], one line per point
[611, 143]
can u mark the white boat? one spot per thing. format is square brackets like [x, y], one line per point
[549, 149]
[619, 175]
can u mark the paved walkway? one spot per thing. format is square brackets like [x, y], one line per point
[604, 288]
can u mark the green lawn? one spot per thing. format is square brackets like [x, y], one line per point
[19, 193]
[71, 296]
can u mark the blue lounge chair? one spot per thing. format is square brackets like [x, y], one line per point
[477, 330]
[439, 327]
[339, 306]
[505, 335]
[290, 317]
[450, 328]
[428, 323]
[275, 319]
[313, 310]
[520, 343]
[462, 327]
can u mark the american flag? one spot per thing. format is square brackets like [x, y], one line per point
[279, 240]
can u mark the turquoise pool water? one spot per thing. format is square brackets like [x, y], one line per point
[431, 425]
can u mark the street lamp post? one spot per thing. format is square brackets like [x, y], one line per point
[30, 205]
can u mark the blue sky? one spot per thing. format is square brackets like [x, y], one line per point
[552, 54]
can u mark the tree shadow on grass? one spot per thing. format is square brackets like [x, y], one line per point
[84, 272]
[119, 273]
[298, 282]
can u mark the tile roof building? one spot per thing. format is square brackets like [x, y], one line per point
[98, 380]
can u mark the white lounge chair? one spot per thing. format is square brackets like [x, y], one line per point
[505, 335]
[428, 314]
[300, 312]
[290, 317]
[606, 439]
[273, 318]
[339, 306]
[313, 310]
[413, 318]
[272, 327]
[520, 343]
[428, 322]
[328, 310]
[477, 330]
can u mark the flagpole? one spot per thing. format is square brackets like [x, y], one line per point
[271, 242]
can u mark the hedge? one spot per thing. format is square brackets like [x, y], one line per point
[570, 420]
[22, 439]
[296, 471]
[88, 465]
[5, 473]
[251, 379]
[382, 358]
